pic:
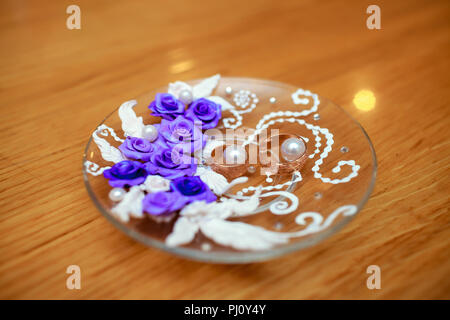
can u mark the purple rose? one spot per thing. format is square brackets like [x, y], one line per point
[193, 188]
[206, 112]
[137, 148]
[162, 202]
[182, 134]
[125, 174]
[171, 164]
[167, 106]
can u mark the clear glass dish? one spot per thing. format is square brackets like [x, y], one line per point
[329, 195]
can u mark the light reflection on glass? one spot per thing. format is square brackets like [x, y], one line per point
[364, 100]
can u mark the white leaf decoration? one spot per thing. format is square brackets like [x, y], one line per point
[247, 207]
[201, 90]
[131, 205]
[194, 215]
[224, 209]
[183, 232]
[178, 86]
[206, 87]
[241, 235]
[109, 153]
[217, 182]
[199, 210]
[131, 124]
[224, 103]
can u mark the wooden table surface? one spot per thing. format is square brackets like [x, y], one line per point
[58, 84]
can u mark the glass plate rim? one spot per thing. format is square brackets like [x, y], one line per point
[244, 256]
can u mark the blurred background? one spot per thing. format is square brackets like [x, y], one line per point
[57, 84]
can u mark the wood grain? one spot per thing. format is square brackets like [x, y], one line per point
[58, 84]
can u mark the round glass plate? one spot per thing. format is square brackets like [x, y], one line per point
[294, 210]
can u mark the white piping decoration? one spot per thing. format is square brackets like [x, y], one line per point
[315, 130]
[93, 168]
[104, 130]
[282, 207]
[109, 153]
[318, 224]
[242, 98]
[297, 100]
[233, 123]
[209, 218]
[297, 178]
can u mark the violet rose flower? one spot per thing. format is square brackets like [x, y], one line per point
[193, 188]
[163, 202]
[205, 112]
[137, 148]
[182, 134]
[171, 164]
[167, 106]
[125, 174]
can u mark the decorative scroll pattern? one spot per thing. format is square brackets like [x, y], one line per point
[210, 218]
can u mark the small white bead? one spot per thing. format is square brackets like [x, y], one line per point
[278, 226]
[117, 194]
[228, 90]
[273, 100]
[251, 169]
[292, 149]
[185, 96]
[235, 155]
[150, 133]
[206, 246]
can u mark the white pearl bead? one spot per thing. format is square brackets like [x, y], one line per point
[117, 194]
[185, 96]
[292, 149]
[273, 100]
[251, 169]
[235, 155]
[150, 133]
[228, 90]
